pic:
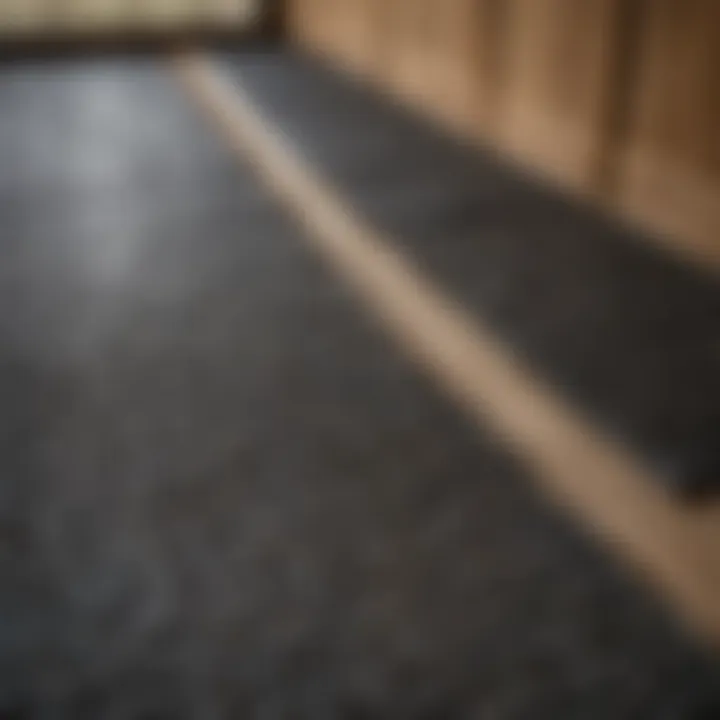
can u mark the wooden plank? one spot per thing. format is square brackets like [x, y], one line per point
[470, 69]
[407, 48]
[556, 85]
[361, 36]
[670, 176]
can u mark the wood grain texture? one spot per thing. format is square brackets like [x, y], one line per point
[362, 38]
[671, 170]
[556, 84]
[460, 63]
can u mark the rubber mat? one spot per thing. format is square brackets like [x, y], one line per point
[629, 334]
[223, 493]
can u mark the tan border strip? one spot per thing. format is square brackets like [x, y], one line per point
[675, 546]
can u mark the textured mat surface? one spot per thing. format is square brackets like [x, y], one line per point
[595, 309]
[223, 494]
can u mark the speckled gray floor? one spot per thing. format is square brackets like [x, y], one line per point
[222, 492]
[630, 335]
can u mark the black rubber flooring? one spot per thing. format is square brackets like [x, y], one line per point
[591, 305]
[222, 492]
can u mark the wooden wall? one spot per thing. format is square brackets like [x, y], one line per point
[619, 99]
[557, 82]
[670, 170]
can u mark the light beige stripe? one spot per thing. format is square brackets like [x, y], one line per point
[675, 546]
